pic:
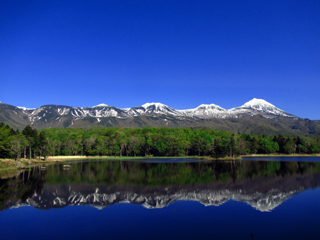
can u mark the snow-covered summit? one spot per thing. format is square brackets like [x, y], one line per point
[101, 105]
[159, 108]
[205, 111]
[210, 106]
[258, 104]
[153, 104]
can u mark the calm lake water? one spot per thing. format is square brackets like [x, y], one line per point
[249, 199]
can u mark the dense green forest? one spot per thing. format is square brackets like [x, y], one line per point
[30, 143]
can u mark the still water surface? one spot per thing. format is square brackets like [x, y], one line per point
[170, 200]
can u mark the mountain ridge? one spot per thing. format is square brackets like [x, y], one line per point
[250, 108]
[256, 116]
[254, 101]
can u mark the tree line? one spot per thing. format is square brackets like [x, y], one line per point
[30, 143]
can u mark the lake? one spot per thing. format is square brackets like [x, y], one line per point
[163, 199]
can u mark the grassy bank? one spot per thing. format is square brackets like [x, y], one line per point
[9, 164]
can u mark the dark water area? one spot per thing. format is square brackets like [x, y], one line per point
[249, 199]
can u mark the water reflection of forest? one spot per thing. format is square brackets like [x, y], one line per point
[166, 182]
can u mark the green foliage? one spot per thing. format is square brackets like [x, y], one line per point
[268, 146]
[145, 142]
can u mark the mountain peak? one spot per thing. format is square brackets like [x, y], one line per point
[257, 103]
[157, 105]
[261, 106]
[101, 105]
[211, 106]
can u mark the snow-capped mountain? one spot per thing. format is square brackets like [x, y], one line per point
[101, 105]
[161, 115]
[258, 106]
[150, 109]
[159, 108]
[206, 111]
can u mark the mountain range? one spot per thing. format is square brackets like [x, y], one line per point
[255, 117]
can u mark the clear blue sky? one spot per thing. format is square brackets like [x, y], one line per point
[180, 53]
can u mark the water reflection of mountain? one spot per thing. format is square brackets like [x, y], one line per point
[263, 185]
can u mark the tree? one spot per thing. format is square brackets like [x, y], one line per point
[68, 147]
[123, 143]
[149, 143]
[43, 143]
[314, 148]
[241, 145]
[5, 147]
[31, 135]
[18, 142]
[88, 144]
[54, 147]
[220, 147]
[135, 142]
[232, 146]
[267, 146]
[289, 147]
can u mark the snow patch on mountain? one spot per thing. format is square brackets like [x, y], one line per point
[63, 111]
[24, 108]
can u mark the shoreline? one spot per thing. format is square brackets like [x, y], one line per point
[113, 157]
[11, 164]
[282, 155]
[177, 157]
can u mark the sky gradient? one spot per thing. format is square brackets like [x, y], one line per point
[180, 53]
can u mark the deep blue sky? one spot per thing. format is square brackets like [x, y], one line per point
[180, 53]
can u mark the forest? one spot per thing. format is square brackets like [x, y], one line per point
[31, 143]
